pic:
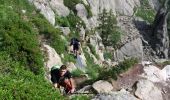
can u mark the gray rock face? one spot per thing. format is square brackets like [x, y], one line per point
[45, 9]
[59, 7]
[102, 86]
[131, 49]
[160, 34]
[154, 4]
[124, 7]
[147, 91]
[48, 8]
[81, 10]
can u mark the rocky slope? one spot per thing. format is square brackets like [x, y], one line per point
[136, 41]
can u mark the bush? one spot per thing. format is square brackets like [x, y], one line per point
[52, 34]
[107, 55]
[113, 72]
[21, 65]
[145, 11]
[20, 40]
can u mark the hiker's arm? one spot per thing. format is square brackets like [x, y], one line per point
[72, 82]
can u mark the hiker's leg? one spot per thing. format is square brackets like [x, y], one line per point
[67, 85]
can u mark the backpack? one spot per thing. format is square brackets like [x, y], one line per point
[74, 41]
[55, 67]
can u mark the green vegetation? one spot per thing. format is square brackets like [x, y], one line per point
[145, 11]
[53, 35]
[71, 4]
[107, 55]
[21, 60]
[18, 83]
[91, 69]
[73, 22]
[108, 29]
[115, 71]
[80, 97]
[68, 58]
[77, 73]
[93, 51]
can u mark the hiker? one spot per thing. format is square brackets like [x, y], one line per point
[75, 43]
[62, 77]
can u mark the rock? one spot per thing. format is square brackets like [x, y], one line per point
[45, 10]
[52, 57]
[102, 86]
[154, 74]
[59, 7]
[81, 10]
[65, 30]
[82, 34]
[146, 63]
[85, 89]
[166, 70]
[131, 49]
[154, 4]
[121, 6]
[71, 67]
[147, 91]
[120, 95]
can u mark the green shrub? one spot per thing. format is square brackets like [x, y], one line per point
[145, 11]
[52, 34]
[20, 40]
[115, 71]
[107, 55]
[21, 65]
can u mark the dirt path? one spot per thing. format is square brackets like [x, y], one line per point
[127, 79]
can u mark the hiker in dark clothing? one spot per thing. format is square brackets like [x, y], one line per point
[76, 43]
[62, 77]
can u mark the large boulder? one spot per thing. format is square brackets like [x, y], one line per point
[102, 86]
[53, 57]
[154, 74]
[147, 91]
[131, 49]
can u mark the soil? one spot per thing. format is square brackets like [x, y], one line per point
[127, 79]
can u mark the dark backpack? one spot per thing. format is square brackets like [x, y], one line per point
[74, 41]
